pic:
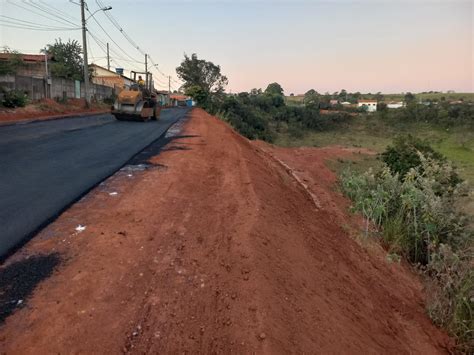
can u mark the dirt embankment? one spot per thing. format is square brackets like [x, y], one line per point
[219, 249]
[47, 108]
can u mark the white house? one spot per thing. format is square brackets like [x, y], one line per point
[370, 104]
[394, 104]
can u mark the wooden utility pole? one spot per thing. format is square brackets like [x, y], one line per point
[108, 57]
[84, 47]
[169, 84]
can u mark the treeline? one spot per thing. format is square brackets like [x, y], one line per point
[262, 114]
[442, 112]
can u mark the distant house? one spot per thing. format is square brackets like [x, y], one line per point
[333, 102]
[103, 76]
[33, 65]
[395, 104]
[163, 97]
[178, 100]
[370, 104]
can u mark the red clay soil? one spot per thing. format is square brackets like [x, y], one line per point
[47, 108]
[219, 249]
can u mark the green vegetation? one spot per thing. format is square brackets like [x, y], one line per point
[413, 195]
[11, 65]
[264, 115]
[14, 98]
[203, 81]
[68, 61]
[424, 96]
[412, 202]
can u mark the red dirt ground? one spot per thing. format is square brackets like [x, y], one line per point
[48, 108]
[219, 249]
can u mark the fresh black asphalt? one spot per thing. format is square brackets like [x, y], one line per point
[46, 166]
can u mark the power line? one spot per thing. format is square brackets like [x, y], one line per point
[64, 14]
[47, 11]
[107, 34]
[129, 39]
[36, 28]
[40, 14]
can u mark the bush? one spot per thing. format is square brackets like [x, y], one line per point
[451, 297]
[15, 98]
[416, 217]
[413, 215]
[404, 154]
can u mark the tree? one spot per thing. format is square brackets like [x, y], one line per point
[201, 78]
[343, 95]
[311, 98]
[67, 62]
[379, 96]
[11, 65]
[409, 97]
[274, 89]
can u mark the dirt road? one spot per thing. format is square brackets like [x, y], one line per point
[218, 249]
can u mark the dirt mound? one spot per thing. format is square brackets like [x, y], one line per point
[218, 249]
[47, 108]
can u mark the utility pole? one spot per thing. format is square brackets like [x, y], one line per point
[46, 94]
[146, 71]
[108, 57]
[169, 84]
[84, 46]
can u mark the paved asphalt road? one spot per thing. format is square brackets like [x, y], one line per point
[45, 166]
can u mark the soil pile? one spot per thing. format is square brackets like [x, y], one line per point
[219, 248]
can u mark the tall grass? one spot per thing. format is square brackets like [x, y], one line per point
[415, 217]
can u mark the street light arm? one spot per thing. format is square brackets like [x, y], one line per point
[102, 9]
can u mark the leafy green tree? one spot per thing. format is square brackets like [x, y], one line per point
[311, 98]
[11, 65]
[343, 95]
[197, 93]
[378, 96]
[68, 61]
[404, 155]
[205, 75]
[274, 89]
[409, 97]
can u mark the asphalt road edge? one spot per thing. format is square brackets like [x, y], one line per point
[52, 118]
[51, 219]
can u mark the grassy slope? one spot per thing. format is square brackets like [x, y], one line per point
[456, 144]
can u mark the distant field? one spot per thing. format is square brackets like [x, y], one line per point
[399, 97]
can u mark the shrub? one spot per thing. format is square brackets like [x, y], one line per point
[451, 297]
[416, 218]
[404, 155]
[411, 213]
[15, 98]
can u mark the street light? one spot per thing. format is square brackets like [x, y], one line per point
[107, 8]
[84, 46]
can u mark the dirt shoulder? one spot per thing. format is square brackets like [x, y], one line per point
[49, 109]
[217, 248]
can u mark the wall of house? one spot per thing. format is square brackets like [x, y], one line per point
[371, 106]
[59, 88]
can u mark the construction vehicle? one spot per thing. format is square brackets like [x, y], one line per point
[137, 103]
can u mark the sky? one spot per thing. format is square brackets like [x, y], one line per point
[389, 46]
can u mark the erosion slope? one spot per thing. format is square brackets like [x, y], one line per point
[219, 248]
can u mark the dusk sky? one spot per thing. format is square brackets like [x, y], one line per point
[368, 46]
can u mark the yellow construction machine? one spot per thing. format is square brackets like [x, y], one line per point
[137, 103]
